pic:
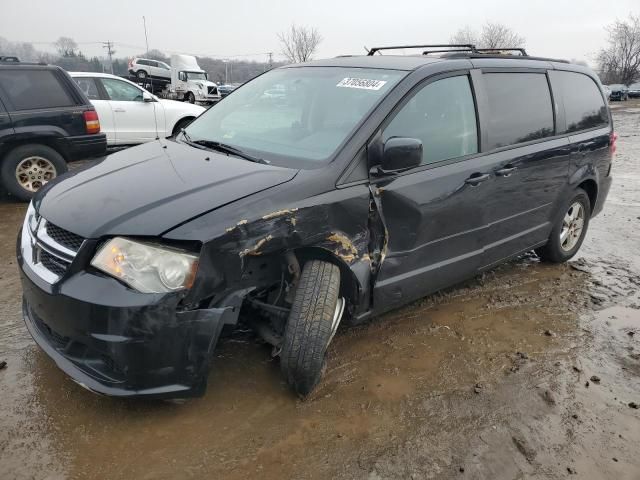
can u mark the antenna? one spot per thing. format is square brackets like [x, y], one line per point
[146, 41]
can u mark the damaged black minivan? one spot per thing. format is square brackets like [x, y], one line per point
[314, 195]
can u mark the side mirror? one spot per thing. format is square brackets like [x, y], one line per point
[147, 97]
[400, 153]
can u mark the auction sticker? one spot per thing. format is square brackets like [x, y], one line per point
[363, 83]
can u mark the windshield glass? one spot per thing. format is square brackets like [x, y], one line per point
[196, 75]
[295, 117]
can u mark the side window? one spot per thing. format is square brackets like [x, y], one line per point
[583, 104]
[442, 115]
[153, 63]
[31, 89]
[164, 65]
[121, 91]
[520, 108]
[143, 62]
[88, 86]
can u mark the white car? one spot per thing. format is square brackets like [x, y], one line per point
[145, 68]
[128, 113]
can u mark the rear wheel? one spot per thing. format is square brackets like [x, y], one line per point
[569, 232]
[141, 74]
[27, 168]
[313, 320]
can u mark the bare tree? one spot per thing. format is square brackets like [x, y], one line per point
[299, 44]
[492, 35]
[619, 62]
[66, 46]
[497, 35]
[465, 36]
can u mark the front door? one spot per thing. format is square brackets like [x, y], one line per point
[434, 214]
[134, 119]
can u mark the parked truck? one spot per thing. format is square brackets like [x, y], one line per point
[187, 81]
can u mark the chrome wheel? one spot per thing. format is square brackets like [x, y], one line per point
[33, 172]
[572, 225]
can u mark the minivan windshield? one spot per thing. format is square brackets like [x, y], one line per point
[295, 117]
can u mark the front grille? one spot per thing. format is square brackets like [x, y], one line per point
[213, 90]
[64, 237]
[52, 263]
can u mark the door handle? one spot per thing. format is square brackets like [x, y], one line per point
[477, 178]
[506, 170]
[119, 110]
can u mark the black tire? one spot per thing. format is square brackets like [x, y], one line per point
[14, 159]
[554, 251]
[180, 124]
[310, 326]
[190, 97]
[141, 74]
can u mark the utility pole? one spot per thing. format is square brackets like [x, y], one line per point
[110, 52]
[270, 60]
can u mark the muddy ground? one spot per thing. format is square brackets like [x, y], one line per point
[526, 372]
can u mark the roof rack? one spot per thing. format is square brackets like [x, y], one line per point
[452, 48]
[522, 51]
[467, 47]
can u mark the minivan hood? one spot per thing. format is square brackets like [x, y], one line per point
[149, 189]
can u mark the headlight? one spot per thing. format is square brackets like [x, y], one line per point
[147, 268]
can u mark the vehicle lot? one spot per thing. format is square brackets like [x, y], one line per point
[486, 380]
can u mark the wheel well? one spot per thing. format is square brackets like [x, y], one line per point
[7, 147]
[591, 188]
[349, 285]
[181, 124]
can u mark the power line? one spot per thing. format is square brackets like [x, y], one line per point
[110, 51]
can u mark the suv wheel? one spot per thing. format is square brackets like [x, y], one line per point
[313, 320]
[141, 74]
[569, 232]
[27, 168]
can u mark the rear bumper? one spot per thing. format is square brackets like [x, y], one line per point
[118, 342]
[86, 146]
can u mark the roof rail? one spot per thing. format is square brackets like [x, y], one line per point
[522, 51]
[449, 47]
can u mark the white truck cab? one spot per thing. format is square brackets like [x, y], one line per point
[190, 83]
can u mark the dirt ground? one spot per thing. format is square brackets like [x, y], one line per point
[526, 372]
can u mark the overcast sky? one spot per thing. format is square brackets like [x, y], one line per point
[556, 28]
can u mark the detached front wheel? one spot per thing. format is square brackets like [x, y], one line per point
[313, 321]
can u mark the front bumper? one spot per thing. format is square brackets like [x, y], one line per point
[116, 341]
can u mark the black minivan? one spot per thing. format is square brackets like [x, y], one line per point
[369, 182]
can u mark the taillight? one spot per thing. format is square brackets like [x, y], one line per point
[613, 136]
[91, 121]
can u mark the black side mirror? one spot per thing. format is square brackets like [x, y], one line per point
[400, 153]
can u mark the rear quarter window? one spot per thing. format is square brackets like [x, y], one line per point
[520, 108]
[34, 89]
[584, 106]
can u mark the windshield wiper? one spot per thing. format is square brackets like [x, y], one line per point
[222, 147]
